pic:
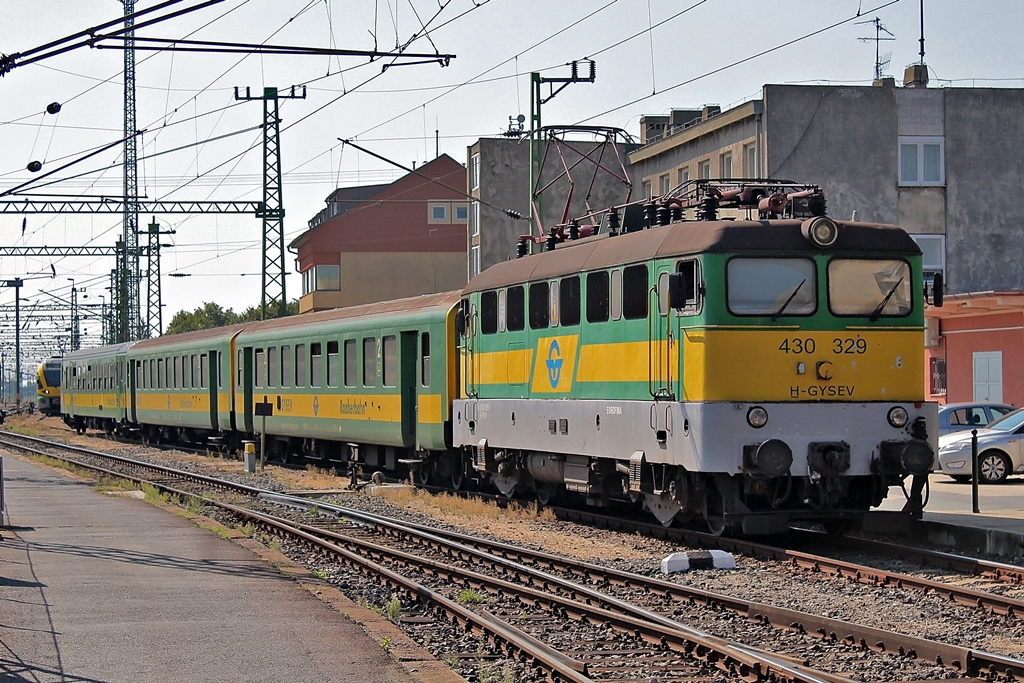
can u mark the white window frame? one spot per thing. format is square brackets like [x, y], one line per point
[725, 165]
[916, 144]
[666, 184]
[750, 161]
[474, 260]
[928, 266]
[684, 174]
[474, 171]
[704, 169]
[433, 207]
[474, 217]
[457, 209]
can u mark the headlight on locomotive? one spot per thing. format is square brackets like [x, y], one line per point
[820, 230]
[757, 417]
[898, 417]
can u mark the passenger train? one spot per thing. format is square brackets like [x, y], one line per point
[747, 370]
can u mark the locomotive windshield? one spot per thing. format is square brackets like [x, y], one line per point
[869, 287]
[772, 286]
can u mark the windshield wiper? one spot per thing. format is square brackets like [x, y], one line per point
[788, 301]
[878, 310]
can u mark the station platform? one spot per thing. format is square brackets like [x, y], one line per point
[95, 587]
[949, 520]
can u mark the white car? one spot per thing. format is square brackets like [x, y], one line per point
[1000, 450]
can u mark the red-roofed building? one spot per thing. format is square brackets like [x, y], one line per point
[381, 242]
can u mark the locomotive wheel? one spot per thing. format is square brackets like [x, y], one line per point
[546, 492]
[456, 480]
[421, 474]
[714, 512]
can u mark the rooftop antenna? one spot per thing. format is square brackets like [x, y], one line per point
[879, 29]
[922, 32]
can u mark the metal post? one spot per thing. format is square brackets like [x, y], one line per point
[17, 343]
[974, 471]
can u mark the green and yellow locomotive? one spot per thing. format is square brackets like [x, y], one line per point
[750, 372]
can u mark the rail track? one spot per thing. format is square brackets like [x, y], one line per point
[623, 624]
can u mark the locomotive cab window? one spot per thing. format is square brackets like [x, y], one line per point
[771, 286]
[684, 287]
[871, 287]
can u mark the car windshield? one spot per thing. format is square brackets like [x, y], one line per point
[1008, 422]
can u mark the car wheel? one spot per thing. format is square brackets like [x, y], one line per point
[994, 466]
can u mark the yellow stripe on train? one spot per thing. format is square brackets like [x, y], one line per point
[795, 365]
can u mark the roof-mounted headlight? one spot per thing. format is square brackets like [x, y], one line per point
[821, 230]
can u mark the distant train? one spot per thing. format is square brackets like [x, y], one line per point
[747, 372]
[48, 386]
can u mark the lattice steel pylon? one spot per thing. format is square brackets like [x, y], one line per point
[128, 326]
[273, 282]
[154, 298]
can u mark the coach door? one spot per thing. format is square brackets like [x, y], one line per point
[210, 374]
[660, 337]
[407, 386]
[132, 378]
[245, 379]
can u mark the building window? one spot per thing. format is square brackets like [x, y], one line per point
[438, 213]
[725, 165]
[933, 254]
[938, 376]
[750, 161]
[328, 278]
[922, 160]
[474, 261]
[666, 184]
[704, 169]
[684, 175]
[461, 213]
[474, 172]
[648, 189]
[474, 221]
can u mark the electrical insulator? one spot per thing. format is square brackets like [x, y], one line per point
[53, 107]
[35, 166]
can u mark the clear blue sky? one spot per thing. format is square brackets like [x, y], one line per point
[652, 56]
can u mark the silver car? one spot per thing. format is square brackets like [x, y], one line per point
[955, 417]
[1000, 450]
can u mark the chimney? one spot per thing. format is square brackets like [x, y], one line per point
[916, 76]
[709, 111]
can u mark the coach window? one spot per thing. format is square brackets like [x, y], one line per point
[333, 364]
[177, 374]
[198, 381]
[261, 368]
[489, 312]
[273, 367]
[159, 373]
[771, 286]
[516, 308]
[287, 366]
[300, 365]
[186, 372]
[204, 370]
[538, 305]
[616, 294]
[425, 359]
[634, 292]
[239, 370]
[369, 362]
[351, 363]
[316, 370]
[569, 298]
[389, 361]
[150, 372]
[597, 297]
